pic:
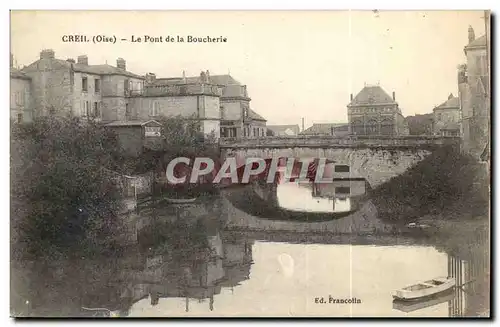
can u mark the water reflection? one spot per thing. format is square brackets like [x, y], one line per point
[301, 201]
[191, 264]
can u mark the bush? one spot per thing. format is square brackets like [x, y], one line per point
[441, 182]
[62, 200]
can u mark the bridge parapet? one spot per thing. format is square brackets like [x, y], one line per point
[339, 142]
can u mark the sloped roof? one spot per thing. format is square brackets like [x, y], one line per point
[283, 128]
[255, 116]
[372, 95]
[451, 103]
[132, 123]
[90, 69]
[323, 128]
[104, 70]
[479, 42]
[16, 73]
[223, 80]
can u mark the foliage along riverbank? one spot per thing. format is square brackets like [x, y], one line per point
[63, 203]
[446, 185]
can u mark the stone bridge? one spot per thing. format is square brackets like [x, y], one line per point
[375, 158]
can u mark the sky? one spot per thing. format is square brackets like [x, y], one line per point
[296, 64]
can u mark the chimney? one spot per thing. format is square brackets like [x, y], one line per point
[121, 64]
[393, 95]
[47, 54]
[351, 97]
[472, 36]
[184, 80]
[203, 77]
[11, 60]
[150, 78]
[208, 76]
[83, 60]
[71, 60]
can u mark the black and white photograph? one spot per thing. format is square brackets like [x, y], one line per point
[248, 164]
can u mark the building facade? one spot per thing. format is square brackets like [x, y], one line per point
[447, 118]
[474, 95]
[77, 89]
[373, 112]
[238, 119]
[196, 98]
[107, 93]
[21, 106]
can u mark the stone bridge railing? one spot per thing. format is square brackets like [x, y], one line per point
[339, 142]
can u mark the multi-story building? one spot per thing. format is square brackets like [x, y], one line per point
[237, 118]
[373, 112]
[198, 98]
[474, 95]
[21, 107]
[112, 94]
[447, 118]
[69, 88]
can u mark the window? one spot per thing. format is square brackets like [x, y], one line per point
[341, 168]
[222, 112]
[155, 109]
[342, 190]
[97, 85]
[85, 108]
[96, 109]
[127, 110]
[183, 89]
[126, 85]
[85, 87]
[19, 118]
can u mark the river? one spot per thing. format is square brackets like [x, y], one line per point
[270, 262]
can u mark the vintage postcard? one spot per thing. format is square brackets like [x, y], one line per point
[250, 163]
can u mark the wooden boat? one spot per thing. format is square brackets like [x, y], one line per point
[180, 201]
[410, 306]
[425, 289]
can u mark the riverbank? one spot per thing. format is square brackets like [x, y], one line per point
[445, 186]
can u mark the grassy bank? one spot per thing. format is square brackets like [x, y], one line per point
[446, 185]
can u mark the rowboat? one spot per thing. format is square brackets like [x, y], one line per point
[410, 306]
[180, 201]
[425, 289]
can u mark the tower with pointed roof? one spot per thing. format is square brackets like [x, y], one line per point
[373, 112]
[474, 94]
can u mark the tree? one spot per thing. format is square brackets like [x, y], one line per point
[62, 199]
[420, 124]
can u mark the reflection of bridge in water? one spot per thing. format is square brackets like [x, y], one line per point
[231, 261]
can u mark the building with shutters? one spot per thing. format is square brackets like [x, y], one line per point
[110, 94]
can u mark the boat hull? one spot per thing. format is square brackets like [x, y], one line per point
[423, 290]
